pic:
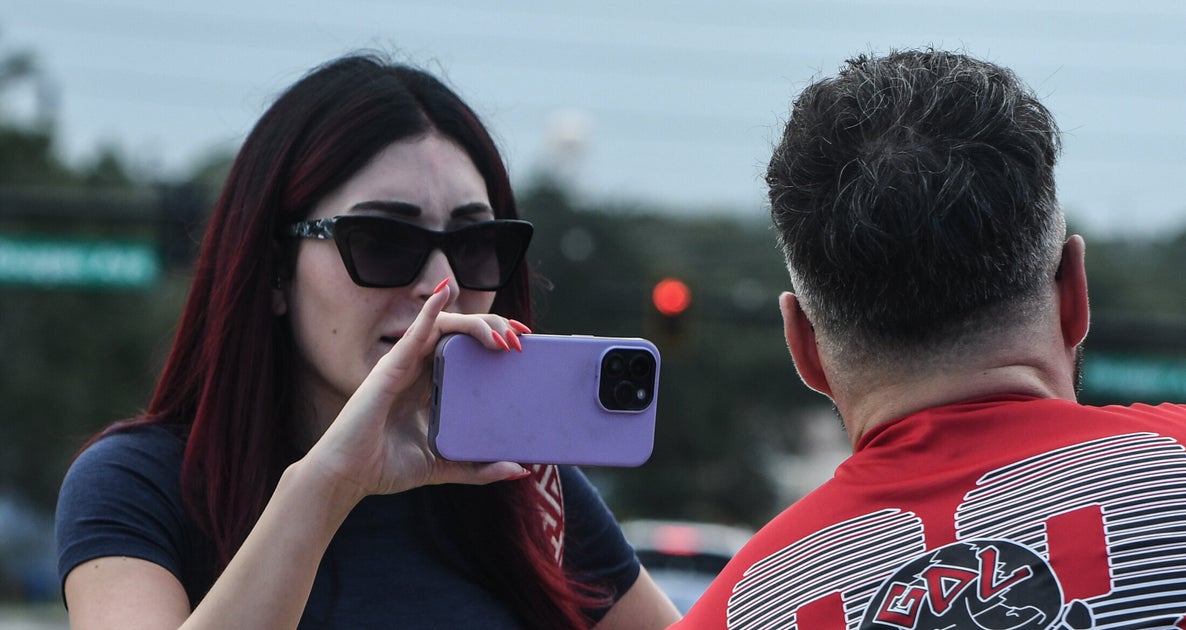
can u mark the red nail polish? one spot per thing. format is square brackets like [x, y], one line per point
[440, 287]
[523, 475]
[499, 340]
[519, 326]
[513, 339]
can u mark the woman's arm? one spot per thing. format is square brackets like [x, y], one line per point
[377, 445]
[643, 607]
[265, 585]
[118, 592]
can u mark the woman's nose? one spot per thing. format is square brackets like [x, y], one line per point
[436, 268]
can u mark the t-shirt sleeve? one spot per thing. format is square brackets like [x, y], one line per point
[594, 547]
[121, 497]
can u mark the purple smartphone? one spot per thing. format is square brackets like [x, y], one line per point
[563, 400]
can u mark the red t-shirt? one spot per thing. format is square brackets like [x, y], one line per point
[1009, 512]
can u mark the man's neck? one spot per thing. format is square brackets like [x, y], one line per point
[901, 395]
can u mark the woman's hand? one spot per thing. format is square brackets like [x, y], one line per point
[379, 442]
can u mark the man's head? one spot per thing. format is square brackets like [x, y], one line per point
[915, 201]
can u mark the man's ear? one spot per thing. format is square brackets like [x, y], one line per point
[801, 342]
[1071, 282]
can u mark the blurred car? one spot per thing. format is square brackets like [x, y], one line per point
[684, 556]
[28, 566]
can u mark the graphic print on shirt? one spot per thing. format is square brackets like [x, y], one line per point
[825, 579]
[988, 585]
[1090, 535]
[545, 478]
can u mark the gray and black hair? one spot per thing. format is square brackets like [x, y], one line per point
[914, 197]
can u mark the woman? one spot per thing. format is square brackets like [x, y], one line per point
[281, 474]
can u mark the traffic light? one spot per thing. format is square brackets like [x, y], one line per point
[667, 317]
[671, 297]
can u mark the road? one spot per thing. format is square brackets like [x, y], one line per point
[41, 617]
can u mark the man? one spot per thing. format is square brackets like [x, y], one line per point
[939, 304]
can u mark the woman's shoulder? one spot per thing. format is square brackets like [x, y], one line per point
[122, 497]
[583, 504]
[152, 451]
[575, 484]
[147, 439]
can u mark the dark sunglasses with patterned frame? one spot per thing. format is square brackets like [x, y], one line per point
[385, 252]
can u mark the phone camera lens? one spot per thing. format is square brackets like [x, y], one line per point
[615, 364]
[640, 366]
[626, 394]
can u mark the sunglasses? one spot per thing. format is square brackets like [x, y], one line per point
[386, 252]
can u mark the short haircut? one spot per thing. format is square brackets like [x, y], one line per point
[914, 197]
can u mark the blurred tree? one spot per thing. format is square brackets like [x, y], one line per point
[26, 155]
[1138, 276]
[107, 170]
[73, 362]
[26, 158]
[210, 172]
[16, 66]
[73, 359]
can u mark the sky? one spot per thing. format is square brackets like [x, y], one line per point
[674, 104]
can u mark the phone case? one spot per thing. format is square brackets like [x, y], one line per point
[545, 404]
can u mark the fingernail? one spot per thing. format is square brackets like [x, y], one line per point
[499, 340]
[513, 339]
[441, 287]
[523, 475]
[519, 326]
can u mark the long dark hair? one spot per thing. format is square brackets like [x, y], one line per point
[226, 380]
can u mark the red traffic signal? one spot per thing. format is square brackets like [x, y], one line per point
[671, 297]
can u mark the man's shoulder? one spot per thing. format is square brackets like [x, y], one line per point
[1166, 418]
[1028, 408]
[1167, 409]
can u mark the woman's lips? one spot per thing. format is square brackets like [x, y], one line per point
[395, 336]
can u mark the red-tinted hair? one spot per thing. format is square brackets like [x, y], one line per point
[228, 376]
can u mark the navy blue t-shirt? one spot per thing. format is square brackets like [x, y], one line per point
[383, 568]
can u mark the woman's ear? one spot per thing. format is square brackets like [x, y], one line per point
[282, 281]
[801, 342]
[279, 296]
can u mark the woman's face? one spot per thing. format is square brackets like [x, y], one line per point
[341, 329]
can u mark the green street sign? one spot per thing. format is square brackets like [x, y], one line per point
[1134, 377]
[78, 262]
